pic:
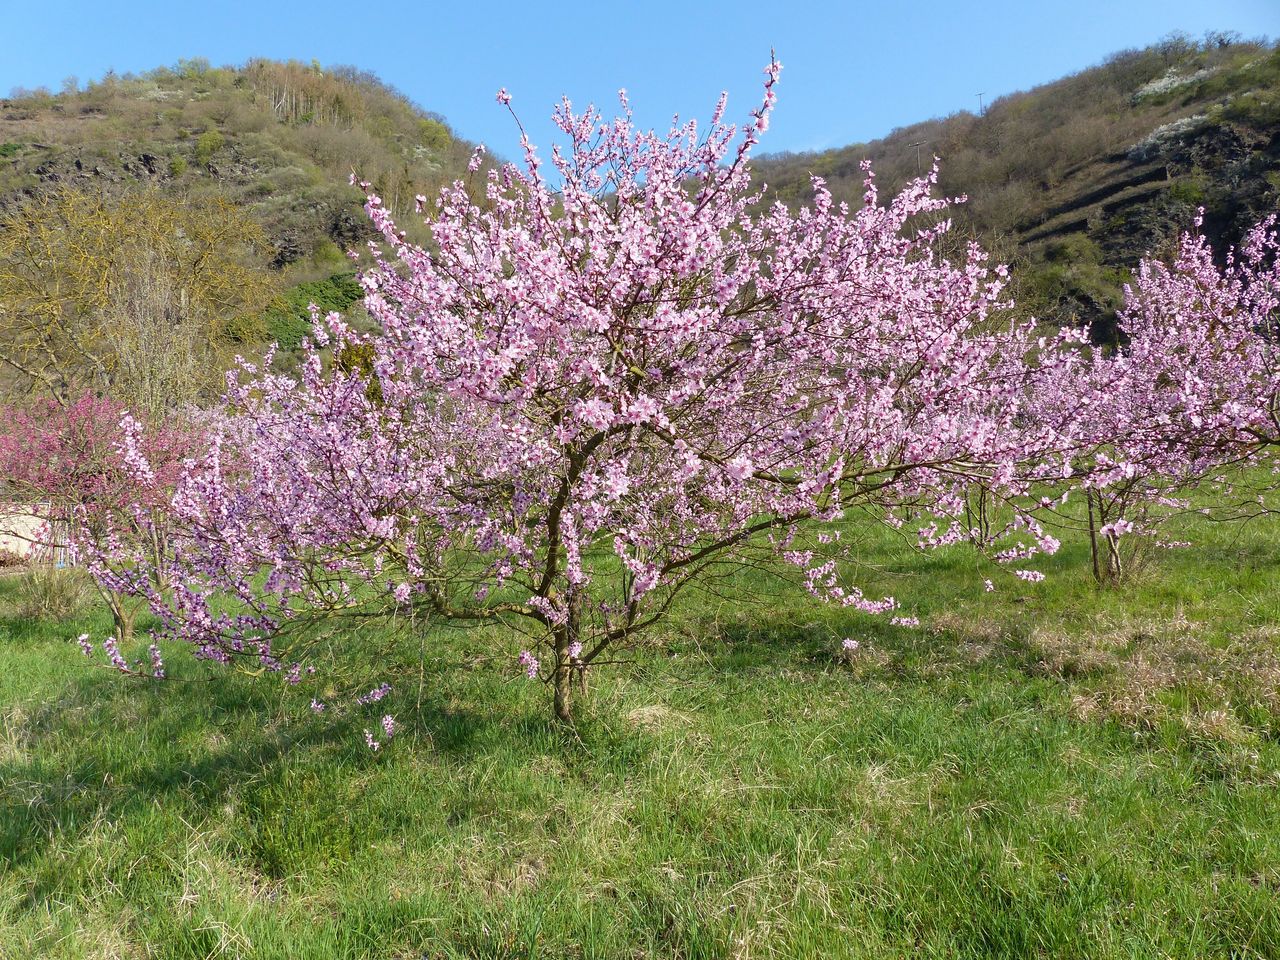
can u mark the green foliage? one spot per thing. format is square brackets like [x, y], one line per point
[9, 149]
[328, 255]
[207, 144]
[177, 166]
[1075, 249]
[192, 68]
[288, 318]
[433, 134]
[357, 359]
[1189, 191]
[1256, 108]
[1071, 280]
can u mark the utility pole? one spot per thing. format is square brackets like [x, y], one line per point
[980, 111]
[918, 144]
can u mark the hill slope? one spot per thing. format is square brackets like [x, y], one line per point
[280, 139]
[1077, 179]
[1072, 181]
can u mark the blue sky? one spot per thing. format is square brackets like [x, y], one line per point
[853, 71]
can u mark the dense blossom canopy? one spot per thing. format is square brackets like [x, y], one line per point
[1191, 390]
[599, 383]
[1202, 355]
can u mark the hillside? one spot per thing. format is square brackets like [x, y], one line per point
[1072, 181]
[278, 138]
[1076, 180]
[276, 141]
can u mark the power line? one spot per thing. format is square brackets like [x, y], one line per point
[918, 144]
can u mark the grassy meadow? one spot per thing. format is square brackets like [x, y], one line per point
[1047, 770]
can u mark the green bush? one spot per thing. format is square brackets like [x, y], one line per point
[9, 149]
[177, 166]
[433, 134]
[288, 319]
[1190, 192]
[207, 144]
[328, 255]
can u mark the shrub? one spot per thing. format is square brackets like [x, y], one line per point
[288, 319]
[207, 144]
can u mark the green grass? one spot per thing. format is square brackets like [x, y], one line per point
[1044, 771]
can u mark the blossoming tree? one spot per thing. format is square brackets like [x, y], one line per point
[1193, 391]
[600, 384]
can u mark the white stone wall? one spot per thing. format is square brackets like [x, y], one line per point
[21, 526]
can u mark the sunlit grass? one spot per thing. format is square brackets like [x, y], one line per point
[1046, 770]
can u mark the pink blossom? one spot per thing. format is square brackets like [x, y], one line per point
[739, 468]
[1117, 528]
[530, 664]
[157, 662]
[374, 695]
[636, 354]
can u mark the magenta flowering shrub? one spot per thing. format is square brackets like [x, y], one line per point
[614, 373]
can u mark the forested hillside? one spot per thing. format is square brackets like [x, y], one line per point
[1077, 179]
[279, 138]
[252, 162]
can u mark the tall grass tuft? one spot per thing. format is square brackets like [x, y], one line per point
[52, 593]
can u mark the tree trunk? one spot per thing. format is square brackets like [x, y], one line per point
[566, 636]
[1093, 538]
[123, 619]
[1115, 565]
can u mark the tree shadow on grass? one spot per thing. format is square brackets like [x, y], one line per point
[108, 752]
[813, 645]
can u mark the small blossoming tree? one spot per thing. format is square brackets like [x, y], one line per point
[100, 481]
[1193, 390]
[601, 383]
